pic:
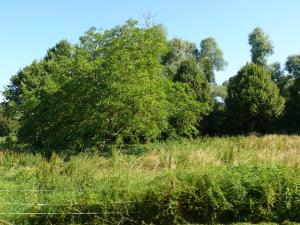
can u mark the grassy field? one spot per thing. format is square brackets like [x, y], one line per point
[209, 180]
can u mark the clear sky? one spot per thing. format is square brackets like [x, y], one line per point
[29, 28]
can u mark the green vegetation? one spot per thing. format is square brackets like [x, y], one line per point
[94, 132]
[211, 58]
[293, 102]
[130, 85]
[217, 180]
[261, 46]
[253, 101]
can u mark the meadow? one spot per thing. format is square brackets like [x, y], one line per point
[208, 180]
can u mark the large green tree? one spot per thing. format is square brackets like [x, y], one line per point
[26, 93]
[261, 46]
[292, 65]
[185, 112]
[253, 100]
[292, 111]
[282, 80]
[108, 89]
[132, 105]
[213, 123]
[5, 123]
[188, 72]
[211, 58]
[179, 51]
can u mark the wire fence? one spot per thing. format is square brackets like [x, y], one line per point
[67, 203]
[70, 203]
[66, 213]
[181, 203]
[62, 190]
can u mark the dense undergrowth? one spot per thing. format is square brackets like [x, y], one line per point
[209, 180]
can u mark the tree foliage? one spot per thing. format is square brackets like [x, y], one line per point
[189, 73]
[292, 112]
[211, 58]
[109, 89]
[282, 81]
[4, 124]
[253, 100]
[179, 51]
[261, 46]
[276, 72]
[132, 103]
[129, 85]
[185, 111]
[292, 65]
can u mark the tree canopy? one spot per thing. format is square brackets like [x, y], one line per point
[179, 51]
[292, 112]
[253, 100]
[292, 65]
[211, 58]
[109, 89]
[261, 46]
[130, 85]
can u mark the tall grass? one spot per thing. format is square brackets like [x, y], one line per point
[208, 180]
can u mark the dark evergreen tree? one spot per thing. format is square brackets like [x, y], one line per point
[292, 110]
[253, 100]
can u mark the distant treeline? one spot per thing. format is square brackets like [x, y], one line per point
[131, 85]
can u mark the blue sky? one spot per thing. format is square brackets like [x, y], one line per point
[29, 28]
